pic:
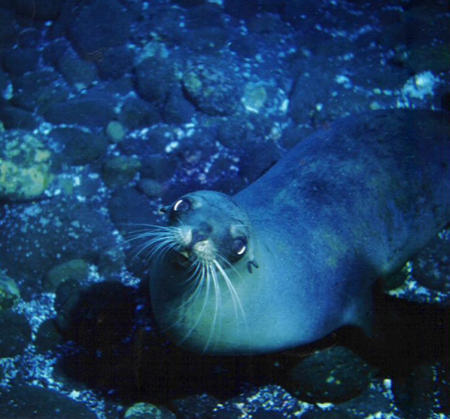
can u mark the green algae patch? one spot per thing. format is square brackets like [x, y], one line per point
[9, 292]
[24, 166]
[255, 97]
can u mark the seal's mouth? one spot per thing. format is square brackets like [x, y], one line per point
[183, 259]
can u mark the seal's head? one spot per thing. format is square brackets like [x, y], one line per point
[209, 228]
[196, 265]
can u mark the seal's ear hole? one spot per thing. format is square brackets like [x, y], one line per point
[251, 264]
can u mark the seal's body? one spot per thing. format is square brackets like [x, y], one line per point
[293, 256]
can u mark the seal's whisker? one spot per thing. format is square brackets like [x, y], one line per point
[237, 305]
[145, 226]
[148, 239]
[158, 246]
[198, 277]
[195, 289]
[197, 267]
[137, 235]
[217, 300]
[149, 231]
[241, 225]
[229, 265]
[159, 239]
[202, 282]
[159, 252]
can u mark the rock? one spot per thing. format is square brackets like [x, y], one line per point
[68, 295]
[266, 402]
[15, 333]
[38, 236]
[206, 39]
[78, 73]
[8, 29]
[54, 50]
[330, 375]
[189, 3]
[138, 113]
[115, 62]
[147, 411]
[13, 117]
[75, 269]
[38, 89]
[24, 166]
[245, 46]
[111, 261]
[150, 187]
[416, 394]
[20, 60]
[128, 208]
[250, 8]
[154, 142]
[78, 147]
[396, 279]
[41, 10]
[196, 406]
[96, 317]
[267, 23]
[6, 88]
[159, 167]
[375, 401]
[256, 158]
[297, 11]
[178, 110]
[26, 401]
[30, 38]
[330, 412]
[254, 98]
[115, 131]
[9, 292]
[155, 79]
[120, 170]
[99, 26]
[317, 99]
[48, 336]
[431, 266]
[212, 87]
[205, 15]
[88, 111]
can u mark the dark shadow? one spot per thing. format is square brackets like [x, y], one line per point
[407, 334]
[113, 347]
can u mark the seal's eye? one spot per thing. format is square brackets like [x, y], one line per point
[182, 205]
[239, 246]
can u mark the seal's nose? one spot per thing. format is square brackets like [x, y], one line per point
[201, 233]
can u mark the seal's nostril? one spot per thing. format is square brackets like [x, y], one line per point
[201, 233]
[198, 236]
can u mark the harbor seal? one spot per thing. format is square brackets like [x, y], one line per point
[294, 255]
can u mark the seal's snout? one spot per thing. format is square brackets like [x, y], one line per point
[201, 233]
[183, 237]
[195, 242]
[187, 236]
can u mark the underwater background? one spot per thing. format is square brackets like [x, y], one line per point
[110, 109]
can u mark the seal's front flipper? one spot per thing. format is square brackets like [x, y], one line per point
[361, 313]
